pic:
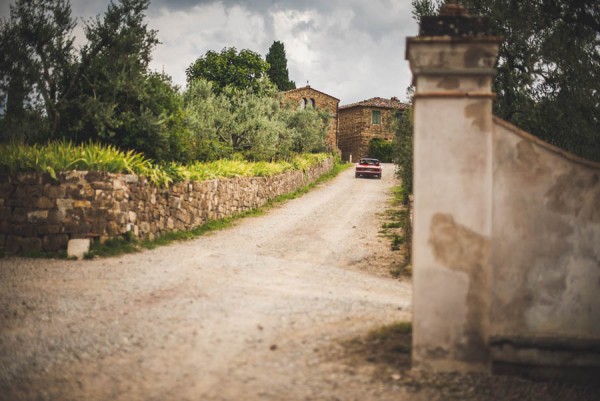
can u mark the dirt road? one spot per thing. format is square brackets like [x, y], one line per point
[241, 314]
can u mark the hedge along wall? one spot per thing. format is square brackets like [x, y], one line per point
[38, 213]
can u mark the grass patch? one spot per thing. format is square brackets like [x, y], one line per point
[396, 227]
[128, 244]
[42, 255]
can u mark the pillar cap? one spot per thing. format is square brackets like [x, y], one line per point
[454, 20]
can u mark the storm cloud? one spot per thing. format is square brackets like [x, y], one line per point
[350, 49]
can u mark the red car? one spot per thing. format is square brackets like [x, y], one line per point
[368, 167]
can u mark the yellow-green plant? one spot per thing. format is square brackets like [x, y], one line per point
[55, 157]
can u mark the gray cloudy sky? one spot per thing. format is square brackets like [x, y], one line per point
[350, 49]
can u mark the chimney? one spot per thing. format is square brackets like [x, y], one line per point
[452, 61]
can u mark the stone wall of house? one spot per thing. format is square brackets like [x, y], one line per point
[356, 130]
[38, 213]
[321, 102]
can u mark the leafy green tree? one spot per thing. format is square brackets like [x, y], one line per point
[404, 150]
[36, 62]
[278, 71]
[105, 93]
[308, 128]
[118, 100]
[208, 118]
[548, 72]
[243, 70]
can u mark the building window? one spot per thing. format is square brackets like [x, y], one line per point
[312, 103]
[303, 103]
[376, 117]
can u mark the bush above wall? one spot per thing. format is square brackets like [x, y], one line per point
[61, 156]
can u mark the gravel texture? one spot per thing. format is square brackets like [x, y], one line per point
[260, 311]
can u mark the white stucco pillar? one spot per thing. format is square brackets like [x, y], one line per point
[452, 61]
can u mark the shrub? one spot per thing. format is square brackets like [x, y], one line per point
[381, 149]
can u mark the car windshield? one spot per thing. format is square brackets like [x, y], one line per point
[369, 161]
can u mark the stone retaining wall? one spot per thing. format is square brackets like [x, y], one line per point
[38, 213]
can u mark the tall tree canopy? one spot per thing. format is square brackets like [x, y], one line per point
[102, 92]
[278, 71]
[37, 61]
[548, 79]
[243, 70]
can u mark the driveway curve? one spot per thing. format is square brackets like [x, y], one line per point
[240, 314]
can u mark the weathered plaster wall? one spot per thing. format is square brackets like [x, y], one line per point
[356, 130]
[38, 213]
[506, 240]
[545, 253]
[322, 102]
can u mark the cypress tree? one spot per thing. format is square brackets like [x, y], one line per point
[278, 72]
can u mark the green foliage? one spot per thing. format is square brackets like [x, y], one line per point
[548, 72]
[36, 64]
[404, 151]
[253, 125]
[308, 128]
[278, 71]
[397, 228]
[119, 101]
[381, 149]
[242, 70]
[106, 94]
[61, 156]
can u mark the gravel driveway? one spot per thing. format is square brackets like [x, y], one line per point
[241, 314]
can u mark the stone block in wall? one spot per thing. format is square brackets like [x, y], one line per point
[19, 194]
[98, 226]
[54, 191]
[5, 213]
[7, 189]
[29, 178]
[112, 228]
[121, 218]
[79, 229]
[101, 185]
[74, 215]
[144, 227]
[5, 227]
[55, 242]
[37, 216]
[46, 229]
[56, 216]
[12, 244]
[96, 212]
[82, 204]
[119, 195]
[23, 230]
[63, 204]
[19, 215]
[30, 244]
[94, 176]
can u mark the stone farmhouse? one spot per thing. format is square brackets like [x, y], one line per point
[363, 121]
[308, 97]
